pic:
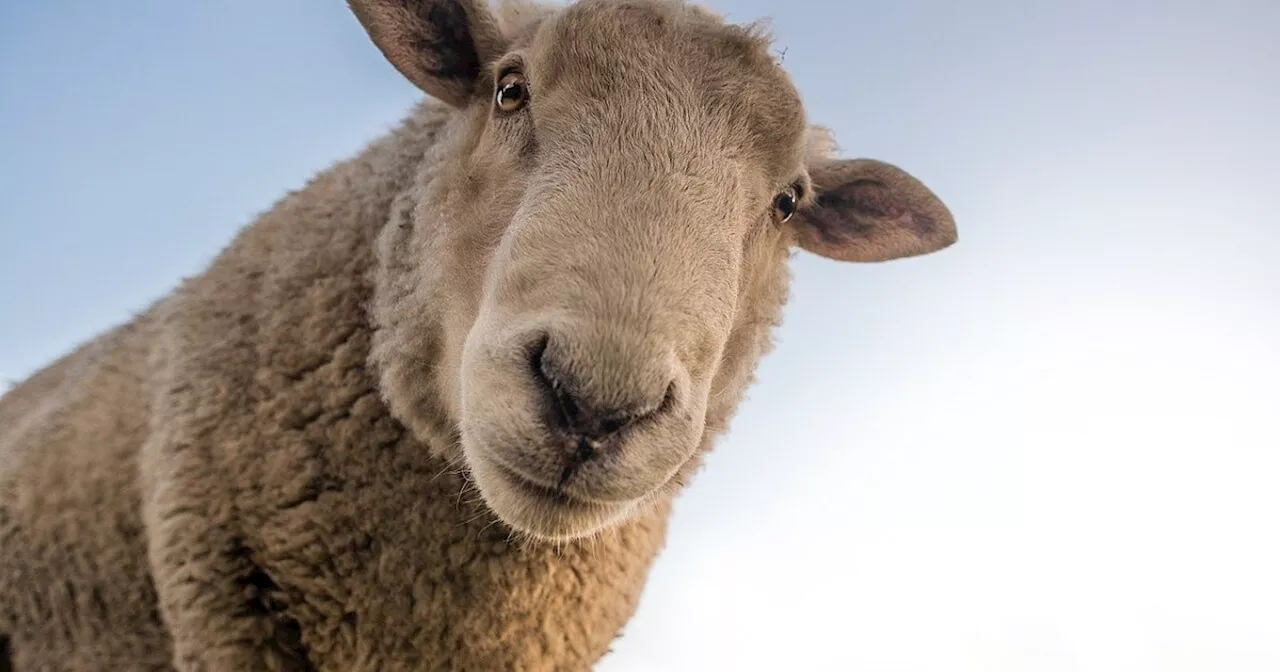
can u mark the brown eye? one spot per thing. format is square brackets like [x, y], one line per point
[513, 92]
[785, 204]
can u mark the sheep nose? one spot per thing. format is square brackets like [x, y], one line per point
[596, 407]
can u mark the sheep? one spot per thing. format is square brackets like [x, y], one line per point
[431, 410]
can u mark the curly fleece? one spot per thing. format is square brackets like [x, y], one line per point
[228, 449]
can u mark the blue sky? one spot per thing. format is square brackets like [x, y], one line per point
[1052, 447]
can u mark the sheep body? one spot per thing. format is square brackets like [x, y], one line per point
[239, 416]
[430, 411]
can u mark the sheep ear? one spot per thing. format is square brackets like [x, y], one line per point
[439, 45]
[866, 210]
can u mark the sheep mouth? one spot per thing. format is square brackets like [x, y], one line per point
[531, 488]
[554, 495]
[540, 510]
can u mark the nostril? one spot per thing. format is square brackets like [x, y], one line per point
[614, 424]
[537, 350]
[567, 413]
[566, 408]
[668, 399]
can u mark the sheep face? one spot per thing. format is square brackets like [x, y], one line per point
[605, 240]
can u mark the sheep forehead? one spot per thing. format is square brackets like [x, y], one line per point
[666, 50]
[518, 19]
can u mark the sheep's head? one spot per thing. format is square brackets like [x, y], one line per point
[597, 250]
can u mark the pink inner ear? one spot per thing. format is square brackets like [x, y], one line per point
[878, 200]
[868, 210]
[873, 198]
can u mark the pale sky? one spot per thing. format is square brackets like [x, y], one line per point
[1055, 446]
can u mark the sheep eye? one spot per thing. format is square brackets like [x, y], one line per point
[513, 92]
[785, 204]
